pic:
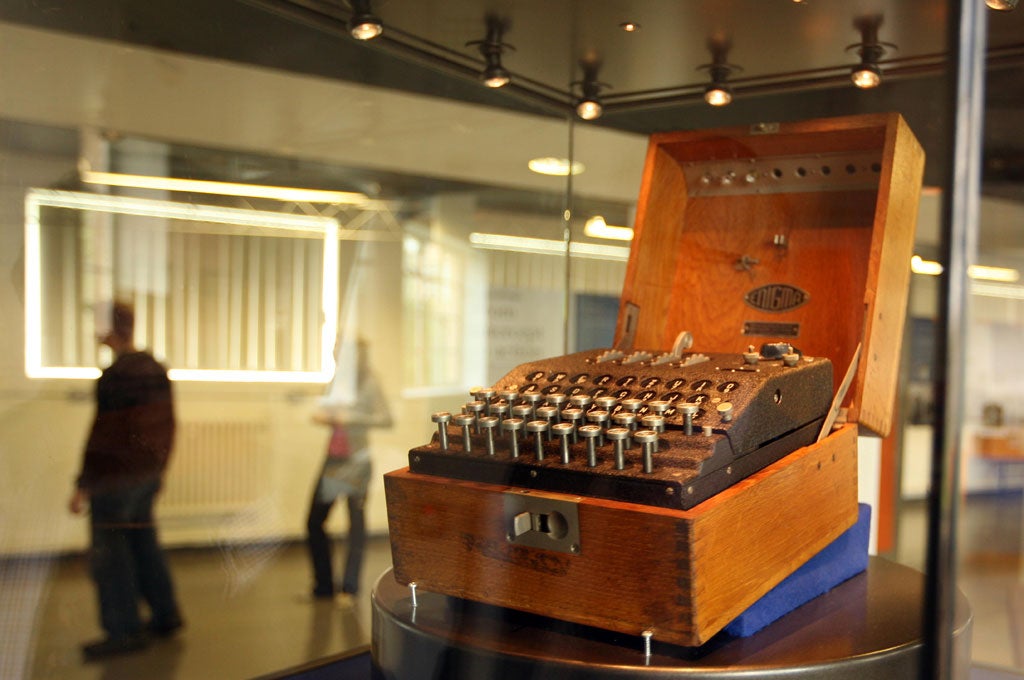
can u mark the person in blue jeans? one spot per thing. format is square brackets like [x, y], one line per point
[346, 471]
[122, 469]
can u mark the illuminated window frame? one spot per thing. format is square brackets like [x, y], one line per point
[433, 275]
[327, 227]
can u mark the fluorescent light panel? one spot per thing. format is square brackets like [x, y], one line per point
[36, 199]
[596, 227]
[172, 210]
[975, 271]
[558, 167]
[540, 246]
[926, 267]
[1001, 274]
[191, 375]
[200, 186]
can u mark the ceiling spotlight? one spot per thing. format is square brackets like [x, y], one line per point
[629, 26]
[364, 24]
[589, 108]
[491, 48]
[868, 74]
[588, 105]
[718, 92]
[1002, 5]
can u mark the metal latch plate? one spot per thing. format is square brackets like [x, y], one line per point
[542, 522]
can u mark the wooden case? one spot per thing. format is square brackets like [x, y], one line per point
[734, 228]
[680, 574]
[732, 217]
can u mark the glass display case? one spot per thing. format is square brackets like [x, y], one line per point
[270, 193]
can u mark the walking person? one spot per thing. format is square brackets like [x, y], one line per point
[345, 474]
[121, 474]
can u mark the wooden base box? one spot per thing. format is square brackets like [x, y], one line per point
[680, 574]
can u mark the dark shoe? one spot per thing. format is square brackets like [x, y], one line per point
[164, 630]
[323, 594]
[113, 646]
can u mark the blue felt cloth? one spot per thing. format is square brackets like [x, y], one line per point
[842, 559]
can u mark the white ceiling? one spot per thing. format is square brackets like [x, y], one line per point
[72, 81]
[66, 81]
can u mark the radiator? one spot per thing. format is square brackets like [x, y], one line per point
[217, 467]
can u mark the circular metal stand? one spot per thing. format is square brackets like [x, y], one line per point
[868, 628]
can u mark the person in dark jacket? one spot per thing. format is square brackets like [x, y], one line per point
[121, 474]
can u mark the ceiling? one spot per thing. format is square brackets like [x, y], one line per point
[794, 57]
[774, 43]
[793, 60]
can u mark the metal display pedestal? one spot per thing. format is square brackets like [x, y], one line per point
[868, 628]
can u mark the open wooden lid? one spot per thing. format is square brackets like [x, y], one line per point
[792, 232]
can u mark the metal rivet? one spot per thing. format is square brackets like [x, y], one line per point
[656, 423]
[557, 399]
[618, 435]
[549, 414]
[573, 416]
[512, 426]
[465, 421]
[476, 408]
[442, 418]
[647, 439]
[564, 430]
[489, 423]
[599, 418]
[485, 394]
[538, 428]
[688, 411]
[632, 405]
[590, 433]
[581, 401]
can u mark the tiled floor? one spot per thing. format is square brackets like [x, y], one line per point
[247, 609]
[248, 614]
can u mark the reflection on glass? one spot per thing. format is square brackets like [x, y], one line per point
[276, 277]
[240, 294]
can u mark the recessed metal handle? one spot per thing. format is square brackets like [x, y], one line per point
[542, 522]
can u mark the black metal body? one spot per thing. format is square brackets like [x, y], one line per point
[775, 408]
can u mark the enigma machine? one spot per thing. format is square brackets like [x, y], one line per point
[668, 429]
[662, 486]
